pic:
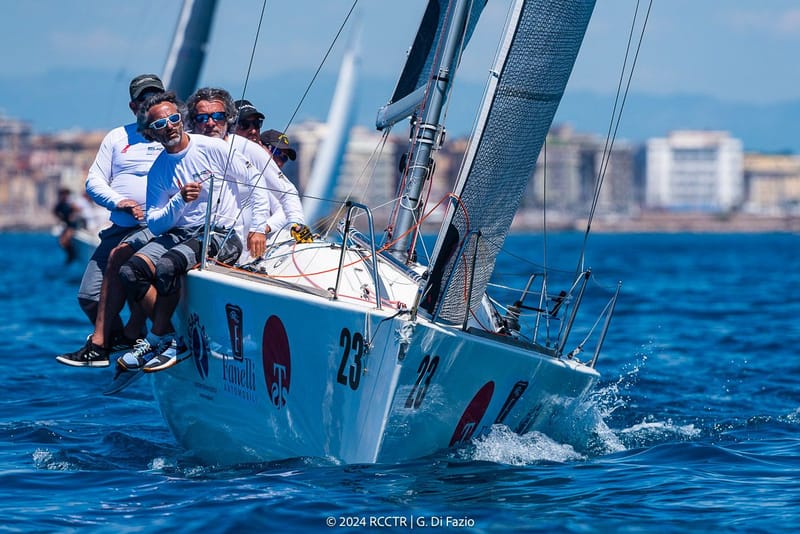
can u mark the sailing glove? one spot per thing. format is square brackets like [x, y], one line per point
[302, 233]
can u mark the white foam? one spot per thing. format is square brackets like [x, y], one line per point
[502, 445]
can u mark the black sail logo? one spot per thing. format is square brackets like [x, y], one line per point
[234, 315]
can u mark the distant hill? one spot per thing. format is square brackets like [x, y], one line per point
[92, 99]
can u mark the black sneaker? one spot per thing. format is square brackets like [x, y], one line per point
[87, 356]
[120, 346]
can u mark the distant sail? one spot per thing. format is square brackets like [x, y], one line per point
[188, 50]
[322, 181]
[530, 74]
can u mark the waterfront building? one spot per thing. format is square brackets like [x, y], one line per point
[694, 171]
[773, 183]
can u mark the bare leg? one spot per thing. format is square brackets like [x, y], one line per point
[112, 296]
[162, 313]
[140, 311]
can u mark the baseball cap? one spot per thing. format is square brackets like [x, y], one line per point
[143, 82]
[246, 109]
[278, 140]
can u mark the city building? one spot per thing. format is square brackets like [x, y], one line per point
[694, 171]
[567, 171]
[368, 171]
[773, 183]
[686, 174]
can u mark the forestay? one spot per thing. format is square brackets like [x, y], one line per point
[530, 74]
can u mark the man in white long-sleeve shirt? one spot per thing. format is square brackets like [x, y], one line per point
[191, 169]
[212, 112]
[117, 181]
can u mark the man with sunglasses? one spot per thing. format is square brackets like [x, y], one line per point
[248, 126]
[249, 121]
[117, 181]
[285, 205]
[277, 143]
[192, 171]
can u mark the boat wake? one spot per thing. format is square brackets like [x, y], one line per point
[585, 434]
[504, 446]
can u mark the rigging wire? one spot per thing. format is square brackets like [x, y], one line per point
[614, 123]
[308, 88]
[253, 50]
[319, 68]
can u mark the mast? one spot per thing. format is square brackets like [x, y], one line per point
[428, 132]
[188, 50]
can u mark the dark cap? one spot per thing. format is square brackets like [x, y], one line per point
[144, 82]
[246, 109]
[278, 140]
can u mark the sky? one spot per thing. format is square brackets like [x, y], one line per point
[732, 50]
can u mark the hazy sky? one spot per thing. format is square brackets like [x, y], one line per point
[739, 50]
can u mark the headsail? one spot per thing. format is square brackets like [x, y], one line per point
[542, 40]
[188, 49]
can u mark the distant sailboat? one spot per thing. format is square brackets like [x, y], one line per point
[322, 182]
[354, 352]
[188, 50]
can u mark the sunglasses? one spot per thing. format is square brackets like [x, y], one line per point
[218, 116]
[160, 124]
[278, 153]
[246, 124]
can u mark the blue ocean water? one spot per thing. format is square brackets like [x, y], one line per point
[696, 420]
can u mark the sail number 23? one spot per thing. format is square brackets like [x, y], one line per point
[425, 372]
[350, 375]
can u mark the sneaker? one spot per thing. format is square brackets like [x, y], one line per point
[90, 355]
[134, 359]
[171, 355]
[121, 346]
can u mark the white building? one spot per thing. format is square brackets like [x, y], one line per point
[368, 171]
[694, 171]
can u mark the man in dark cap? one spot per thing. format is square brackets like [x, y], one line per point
[277, 144]
[144, 83]
[249, 121]
[117, 181]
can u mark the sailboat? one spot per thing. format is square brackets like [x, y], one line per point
[357, 352]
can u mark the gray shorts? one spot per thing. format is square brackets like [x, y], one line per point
[189, 242]
[136, 237]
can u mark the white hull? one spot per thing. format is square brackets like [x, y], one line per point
[279, 372]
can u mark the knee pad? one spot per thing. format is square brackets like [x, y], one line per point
[136, 278]
[169, 270]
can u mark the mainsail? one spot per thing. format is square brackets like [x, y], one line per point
[530, 74]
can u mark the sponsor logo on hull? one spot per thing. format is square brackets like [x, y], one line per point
[277, 361]
[473, 414]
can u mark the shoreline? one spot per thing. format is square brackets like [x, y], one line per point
[651, 222]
